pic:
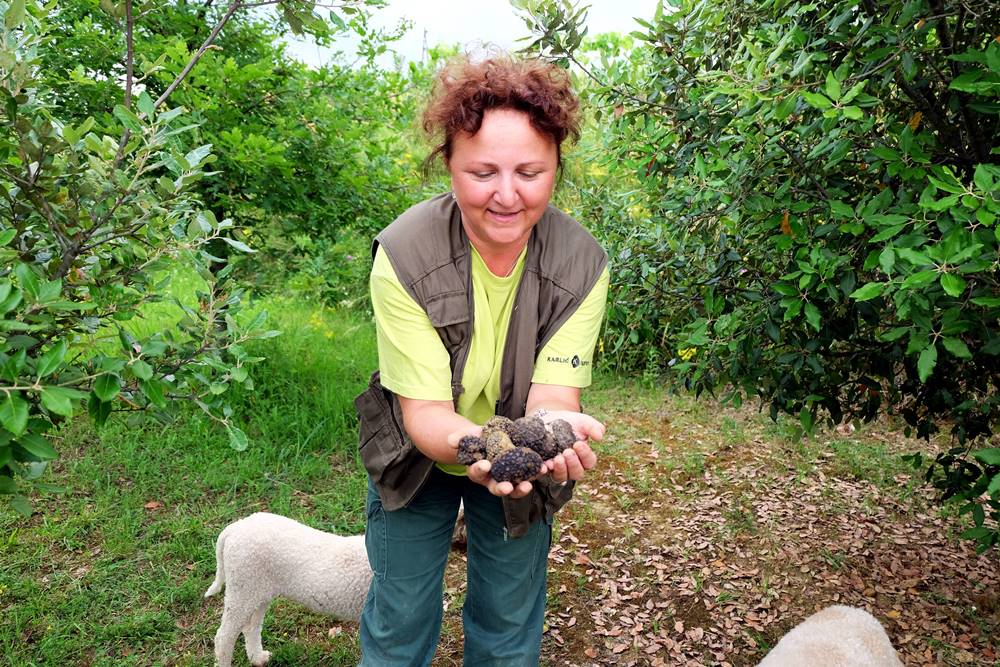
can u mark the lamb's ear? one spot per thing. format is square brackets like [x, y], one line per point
[459, 539]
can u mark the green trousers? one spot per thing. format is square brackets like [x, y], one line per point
[505, 600]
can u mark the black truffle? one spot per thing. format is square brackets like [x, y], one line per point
[527, 432]
[499, 422]
[516, 465]
[470, 450]
[563, 433]
[548, 447]
[496, 443]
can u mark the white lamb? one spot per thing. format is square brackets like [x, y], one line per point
[265, 556]
[837, 636]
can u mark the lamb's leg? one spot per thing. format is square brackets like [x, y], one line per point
[234, 619]
[251, 633]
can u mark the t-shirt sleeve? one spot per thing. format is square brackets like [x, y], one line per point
[567, 359]
[412, 360]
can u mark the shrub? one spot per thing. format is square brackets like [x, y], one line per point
[300, 152]
[822, 182]
[93, 226]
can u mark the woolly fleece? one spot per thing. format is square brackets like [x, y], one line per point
[837, 636]
[265, 556]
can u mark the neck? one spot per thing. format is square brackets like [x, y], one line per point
[500, 259]
[500, 264]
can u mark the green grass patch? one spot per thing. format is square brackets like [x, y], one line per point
[112, 571]
[868, 461]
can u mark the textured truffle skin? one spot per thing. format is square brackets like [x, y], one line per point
[496, 442]
[470, 450]
[548, 447]
[516, 465]
[562, 431]
[527, 432]
[499, 422]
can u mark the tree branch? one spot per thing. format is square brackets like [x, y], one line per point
[129, 53]
[180, 77]
[200, 52]
[41, 204]
[944, 35]
[927, 106]
[129, 66]
[805, 169]
[265, 3]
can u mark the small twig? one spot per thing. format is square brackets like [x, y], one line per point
[129, 53]
[805, 169]
[199, 53]
[115, 234]
[618, 91]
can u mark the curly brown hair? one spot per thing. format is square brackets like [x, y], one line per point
[465, 90]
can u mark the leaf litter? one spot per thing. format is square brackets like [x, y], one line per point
[693, 545]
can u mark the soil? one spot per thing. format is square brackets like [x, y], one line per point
[701, 539]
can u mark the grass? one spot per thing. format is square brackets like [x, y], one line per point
[740, 517]
[112, 571]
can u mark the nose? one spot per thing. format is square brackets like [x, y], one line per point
[505, 194]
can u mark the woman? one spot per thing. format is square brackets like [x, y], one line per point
[487, 301]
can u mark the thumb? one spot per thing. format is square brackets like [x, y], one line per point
[479, 471]
[592, 428]
[455, 436]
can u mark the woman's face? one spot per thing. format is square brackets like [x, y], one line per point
[502, 177]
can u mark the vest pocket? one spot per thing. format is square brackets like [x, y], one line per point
[380, 440]
[397, 468]
[447, 308]
[541, 504]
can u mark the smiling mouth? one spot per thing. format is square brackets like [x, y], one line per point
[502, 214]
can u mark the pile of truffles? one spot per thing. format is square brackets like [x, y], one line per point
[516, 449]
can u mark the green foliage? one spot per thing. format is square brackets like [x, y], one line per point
[78, 584]
[94, 217]
[822, 187]
[299, 152]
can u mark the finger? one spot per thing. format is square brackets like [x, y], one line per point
[523, 489]
[591, 428]
[558, 472]
[479, 472]
[501, 488]
[586, 455]
[574, 468]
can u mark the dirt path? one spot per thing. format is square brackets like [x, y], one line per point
[706, 534]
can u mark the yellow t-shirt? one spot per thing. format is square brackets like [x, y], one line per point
[414, 363]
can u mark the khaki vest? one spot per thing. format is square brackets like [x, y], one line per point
[429, 251]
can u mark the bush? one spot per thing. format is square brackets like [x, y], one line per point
[822, 182]
[314, 153]
[94, 224]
